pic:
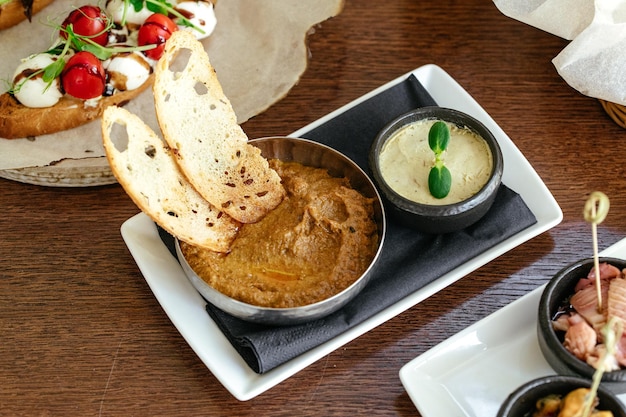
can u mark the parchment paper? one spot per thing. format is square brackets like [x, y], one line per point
[563, 18]
[593, 63]
[258, 50]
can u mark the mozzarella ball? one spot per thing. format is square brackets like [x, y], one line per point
[128, 70]
[201, 14]
[29, 87]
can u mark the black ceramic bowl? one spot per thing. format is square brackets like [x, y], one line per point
[313, 154]
[521, 402]
[559, 289]
[446, 218]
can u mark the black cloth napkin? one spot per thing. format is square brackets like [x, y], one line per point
[409, 260]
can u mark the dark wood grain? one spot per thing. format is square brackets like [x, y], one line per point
[82, 333]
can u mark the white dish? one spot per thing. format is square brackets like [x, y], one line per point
[180, 301]
[473, 372]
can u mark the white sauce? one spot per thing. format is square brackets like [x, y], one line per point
[92, 102]
[34, 91]
[406, 160]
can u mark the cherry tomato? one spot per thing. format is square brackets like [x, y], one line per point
[88, 21]
[83, 76]
[155, 31]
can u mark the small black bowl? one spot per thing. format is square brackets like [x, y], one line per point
[521, 402]
[430, 218]
[559, 289]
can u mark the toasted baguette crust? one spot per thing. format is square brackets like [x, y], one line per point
[18, 121]
[150, 176]
[199, 123]
[14, 12]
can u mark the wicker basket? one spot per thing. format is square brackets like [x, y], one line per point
[617, 112]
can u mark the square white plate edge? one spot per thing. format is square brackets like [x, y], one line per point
[434, 400]
[210, 344]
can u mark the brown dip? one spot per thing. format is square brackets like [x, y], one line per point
[316, 243]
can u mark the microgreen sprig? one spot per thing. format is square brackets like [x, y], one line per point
[76, 43]
[439, 178]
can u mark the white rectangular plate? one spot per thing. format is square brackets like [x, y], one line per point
[473, 372]
[182, 303]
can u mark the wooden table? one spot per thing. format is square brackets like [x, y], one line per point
[82, 334]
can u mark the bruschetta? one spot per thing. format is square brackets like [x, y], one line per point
[101, 57]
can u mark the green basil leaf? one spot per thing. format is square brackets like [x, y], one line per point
[53, 70]
[57, 50]
[137, 4]
[439, 181]
[101, 53]
[159, 6]
[438, 137]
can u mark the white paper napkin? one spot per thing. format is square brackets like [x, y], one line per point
[594, 62]
[563, 18]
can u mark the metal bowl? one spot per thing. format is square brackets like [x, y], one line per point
[521, 402]
[429, 218]
[558, 289]
[313, 154]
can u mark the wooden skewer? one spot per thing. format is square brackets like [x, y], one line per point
[595, 211]
[612, 333]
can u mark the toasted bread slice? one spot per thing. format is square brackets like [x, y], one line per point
[200, 125]
[144, 166]
[19, 121]
[14, 11]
